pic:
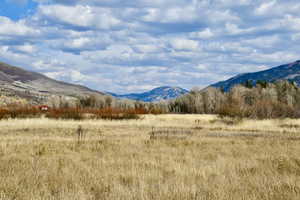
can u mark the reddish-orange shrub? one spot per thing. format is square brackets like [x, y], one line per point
[115, 113]
[3, 113]
[108, 113]
[66, 113]
[19, 112]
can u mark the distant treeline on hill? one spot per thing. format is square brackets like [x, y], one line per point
[260, 100]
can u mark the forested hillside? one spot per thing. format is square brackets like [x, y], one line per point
[266, 100]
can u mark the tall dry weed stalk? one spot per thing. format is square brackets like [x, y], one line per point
[80, 134]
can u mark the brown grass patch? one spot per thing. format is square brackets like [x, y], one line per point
[42, 159]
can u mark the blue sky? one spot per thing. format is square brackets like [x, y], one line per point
[132, 46]
[17, 9]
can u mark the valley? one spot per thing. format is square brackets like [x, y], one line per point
[156, 157]
[149, 100]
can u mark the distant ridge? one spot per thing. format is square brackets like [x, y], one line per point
[289, 72]
[157, 94]
[17, 83]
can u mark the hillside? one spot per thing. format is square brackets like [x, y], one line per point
[283, 72]
[20, 77]
[157, 94]
[17, 82]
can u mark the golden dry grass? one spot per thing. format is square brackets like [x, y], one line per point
[216, 159]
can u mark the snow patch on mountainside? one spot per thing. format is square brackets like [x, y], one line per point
[157, 94]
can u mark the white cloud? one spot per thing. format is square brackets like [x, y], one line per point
[202, 67]
[55, 75]
[217, 16]
[26, 48]
[83, 43]
[291, 22]
[80, 15]
[49, 65]
[184, 44]
[149, 48]
[11, 28]
[263, 42]
[71, 75]
[171, 15]
[124, 46]
[204, 34]
[266, 7]
[233, 29]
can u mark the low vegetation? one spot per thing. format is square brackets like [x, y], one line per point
[19, 112]
[71, 113]
[156, 157]
[262, 101]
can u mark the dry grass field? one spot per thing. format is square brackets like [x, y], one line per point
[158, 157]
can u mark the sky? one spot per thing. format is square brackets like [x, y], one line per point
[128, 46]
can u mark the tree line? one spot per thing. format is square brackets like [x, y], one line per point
[261, 100]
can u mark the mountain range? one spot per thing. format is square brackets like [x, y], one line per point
[15, 81]
[289, 72]
[154, 95]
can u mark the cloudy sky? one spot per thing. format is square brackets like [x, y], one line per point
[135, 45]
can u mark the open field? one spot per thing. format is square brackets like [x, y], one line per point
[158, 157]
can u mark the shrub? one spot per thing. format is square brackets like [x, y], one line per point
[65, 113]
[19, 112]
[3, 113]
[72, 113]
[116, 114]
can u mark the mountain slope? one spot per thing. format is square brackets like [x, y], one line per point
[15, 77]
[157, 94]
[283, 72]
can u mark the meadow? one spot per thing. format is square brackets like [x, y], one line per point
[154, 157]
